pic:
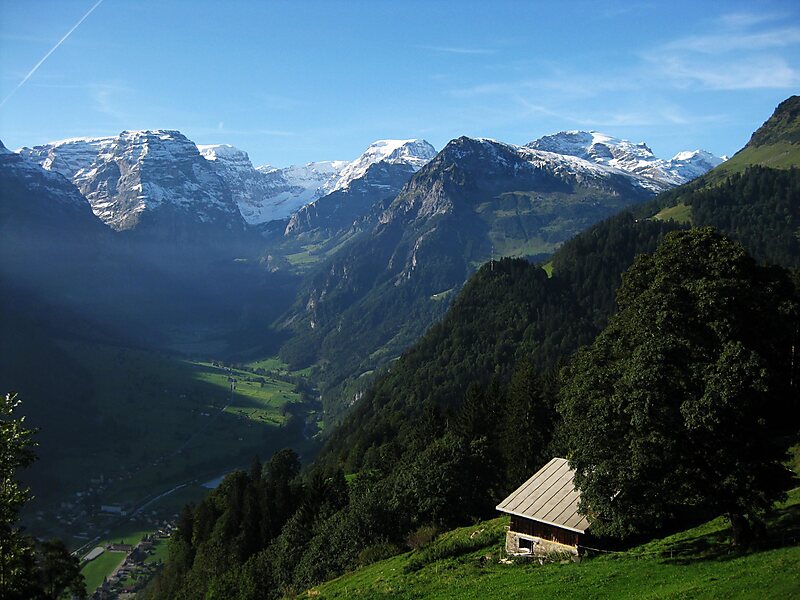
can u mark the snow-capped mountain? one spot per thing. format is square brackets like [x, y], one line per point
[482, 168]
[268, 193]
[67, 157]
[287, 189]
[135, 173]
[413, 153]
[257, 193]
[690, 164]
[636, 159]
[475, 199]
[140, 174]
[379, 173]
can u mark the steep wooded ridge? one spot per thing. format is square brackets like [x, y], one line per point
[477, 403]
[760, 207]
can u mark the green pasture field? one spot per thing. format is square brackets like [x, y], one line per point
[95, 571]
[680, 213]
[697, 563]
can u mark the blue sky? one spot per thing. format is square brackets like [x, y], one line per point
[292, 82]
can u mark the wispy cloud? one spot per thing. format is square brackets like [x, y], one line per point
[770, 72]
[650, 116]
[556, 82]
[269, 101]
[743, 51]
[82, 86]
[744, 20]
[53, 49]
[16, 37]
[105, 101]
[458, 50]
[718, 43]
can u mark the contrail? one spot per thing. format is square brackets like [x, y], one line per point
[53, 49]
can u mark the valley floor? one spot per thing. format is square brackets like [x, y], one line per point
[161, 429]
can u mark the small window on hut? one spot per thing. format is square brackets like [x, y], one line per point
[526, 544]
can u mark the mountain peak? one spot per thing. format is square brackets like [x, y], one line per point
[142, 171]
[593, 146]
[222, 152]
[634, 158]
[414, 153]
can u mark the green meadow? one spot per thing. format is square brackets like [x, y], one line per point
[697, 563]
[95, 571]
[680, 213]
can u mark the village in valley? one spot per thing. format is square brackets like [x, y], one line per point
[136, 564]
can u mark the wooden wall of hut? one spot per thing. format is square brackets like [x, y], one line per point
[544, 531]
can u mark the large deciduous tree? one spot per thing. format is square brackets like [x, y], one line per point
[681, 403]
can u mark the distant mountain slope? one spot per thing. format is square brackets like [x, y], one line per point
[267, 193]
[509, 310]
[380, 292]
[56, 201]
[47, 229]
[174, 279]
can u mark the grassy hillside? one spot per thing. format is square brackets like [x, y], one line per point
[697, 563]
[776, 144]
[781, 155]
[680, 213]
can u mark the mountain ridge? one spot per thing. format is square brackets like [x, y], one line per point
[775, 144]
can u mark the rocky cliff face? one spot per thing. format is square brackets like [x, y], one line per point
[146, 173]
[67, 157]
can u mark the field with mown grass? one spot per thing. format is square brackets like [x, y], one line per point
[95, 571]
[697, 563]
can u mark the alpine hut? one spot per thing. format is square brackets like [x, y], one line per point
[544, 512]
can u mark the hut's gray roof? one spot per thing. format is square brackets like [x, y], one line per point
[549, 497]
